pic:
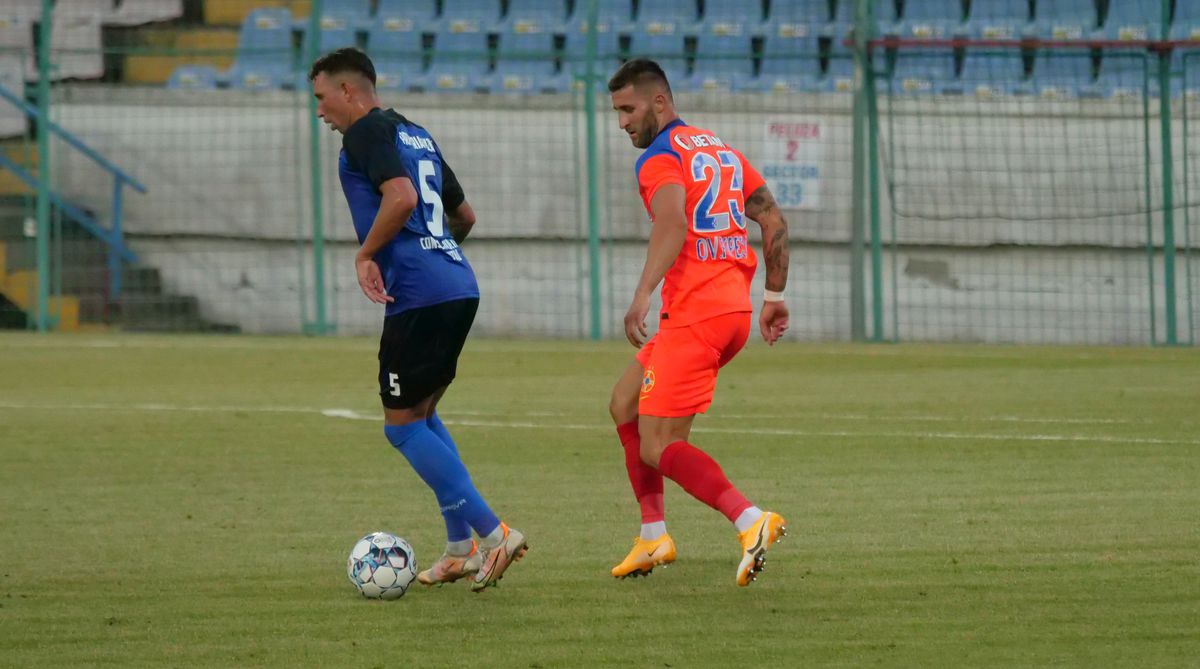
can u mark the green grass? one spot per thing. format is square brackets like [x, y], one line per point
[182, 501]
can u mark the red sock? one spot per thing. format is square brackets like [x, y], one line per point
[702, 478]
[647, 482]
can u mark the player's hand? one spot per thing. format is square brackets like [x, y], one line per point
[773, 321]
[371, 281]
[635, 320]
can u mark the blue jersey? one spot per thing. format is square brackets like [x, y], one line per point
[422, 265]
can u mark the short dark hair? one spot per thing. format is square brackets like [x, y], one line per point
[348, 59]
[638, 71]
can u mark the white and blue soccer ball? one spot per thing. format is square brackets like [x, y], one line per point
[382, 566]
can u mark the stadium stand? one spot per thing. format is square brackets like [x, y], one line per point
[990, 74]
[396, 49]
[930, 19]
[923, 73]
[1133, 20]
[664, 42]
[525, 64]
[1064, 19]
[459, 63]
[999, 19]
[724, 60]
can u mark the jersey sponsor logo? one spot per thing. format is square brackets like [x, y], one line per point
[448, 245]
[416, 142]
[722, 248]
[698, 141]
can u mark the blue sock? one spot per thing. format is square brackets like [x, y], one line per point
[457, 529]
[444, 473]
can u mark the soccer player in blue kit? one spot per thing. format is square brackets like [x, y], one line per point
[410, 215]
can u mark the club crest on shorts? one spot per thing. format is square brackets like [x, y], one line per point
[647, 382]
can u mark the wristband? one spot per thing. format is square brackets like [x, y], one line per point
[772, 296]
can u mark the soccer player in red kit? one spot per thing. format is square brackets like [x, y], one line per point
[699, 192]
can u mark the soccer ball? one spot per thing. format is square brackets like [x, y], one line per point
[382, 566]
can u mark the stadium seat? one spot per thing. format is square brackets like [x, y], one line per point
[801, 19]
[677, 15]
[1064, 19]
[840, 76]
[264, 49]
[991, 74]
[407, 15]
[1063, 75]
[608, 51]
[194, 77]
[843, 17]
[138, 12]
[397, 52]
[467, 16]
[1124, 74]
[999, 19]
[923, 73]
[723, 61]
[336, 32]
[731, 16]
[1189, 83]
[460, 62]
[13, 121]
[525, 64]
[535, 16]
[789, 64]
[1186, 24]
[1133, 20]
[614, 14]
[663, 42]
[357, 13]
[931, 19]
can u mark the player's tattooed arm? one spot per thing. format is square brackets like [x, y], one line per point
[761, 207]
[461, 220]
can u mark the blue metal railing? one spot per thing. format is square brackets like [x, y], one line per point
[113, 237]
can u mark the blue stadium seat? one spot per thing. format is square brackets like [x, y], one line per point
[465, 16]
[616, 15]
[931, 19]
[525, 64]
[1123, 74]
[356, 12]
[608, 51]
[789, 64]
[798, 19]
[663, 42]
[999, 19]
[924, 73]
[1063, 75]
[843, 17]
[193, 77]
[1064, 19]
[679, 14]
[396, 50]
[1187, 20]
[1133, 20]
[460, 62]
[731, 17]
[407, 15]
[536, 16]
[723, 62]
[1190, 82]
[992, 74]
[840, 77]
[336, 32]
[264, 56]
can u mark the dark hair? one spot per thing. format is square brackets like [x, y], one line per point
[638, 71]
[348, 59]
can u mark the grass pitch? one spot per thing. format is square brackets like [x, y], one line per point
[185, 501]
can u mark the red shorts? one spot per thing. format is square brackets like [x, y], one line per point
[680, 364]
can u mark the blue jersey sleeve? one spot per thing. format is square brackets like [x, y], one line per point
[370, 146]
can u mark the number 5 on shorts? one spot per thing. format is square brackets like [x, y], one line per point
[394, 382]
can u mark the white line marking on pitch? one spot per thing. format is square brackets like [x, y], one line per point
[356, 415]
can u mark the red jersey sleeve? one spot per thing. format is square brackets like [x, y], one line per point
[657, 172]
[751, 179]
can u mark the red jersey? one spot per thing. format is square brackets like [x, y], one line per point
[712, 274]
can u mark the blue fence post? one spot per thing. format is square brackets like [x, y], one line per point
[118, 241]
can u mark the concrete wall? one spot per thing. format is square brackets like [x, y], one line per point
[1017, 221]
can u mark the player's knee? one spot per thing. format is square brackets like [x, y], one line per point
[651, 451]
[622, 409]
